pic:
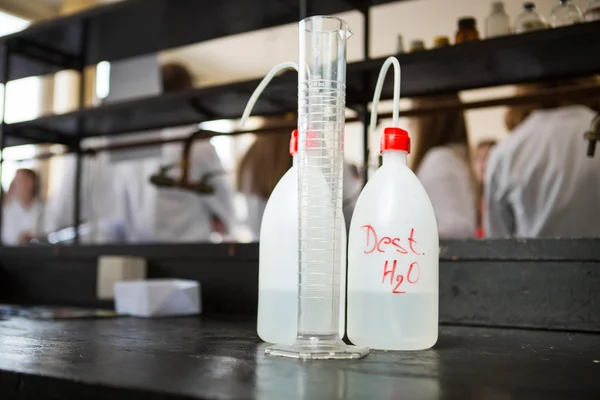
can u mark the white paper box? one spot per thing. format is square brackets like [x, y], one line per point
[158, 298]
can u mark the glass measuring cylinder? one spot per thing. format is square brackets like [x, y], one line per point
[321, 105]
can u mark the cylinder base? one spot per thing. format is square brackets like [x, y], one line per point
[317, 349]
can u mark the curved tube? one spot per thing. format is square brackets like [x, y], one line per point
[397, 77]
[261, 86]
[185, 156]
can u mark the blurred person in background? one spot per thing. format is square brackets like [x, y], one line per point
[539, 180]
[265, 163]
[23, 209]
[442, 163]
[480, 159]
[8, 195]
[148, 213]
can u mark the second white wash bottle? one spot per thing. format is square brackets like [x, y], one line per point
[278, 261]
[393, 251]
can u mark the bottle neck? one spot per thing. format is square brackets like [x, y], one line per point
[395, 157]
[294, 159]
[498, 8]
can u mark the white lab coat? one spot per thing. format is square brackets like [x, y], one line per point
[255, 205]
[539, 181]
[17, 220]
[445, 174]
[151, 214]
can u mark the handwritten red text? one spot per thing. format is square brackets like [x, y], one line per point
[391, 272]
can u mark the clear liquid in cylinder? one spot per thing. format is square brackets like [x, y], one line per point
[320, 197]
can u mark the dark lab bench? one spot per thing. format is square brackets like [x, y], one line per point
[222, 358]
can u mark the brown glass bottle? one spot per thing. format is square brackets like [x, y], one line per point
[467, 30]
[441, 41]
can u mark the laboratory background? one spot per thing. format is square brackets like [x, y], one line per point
[530, 191]
[125, 156]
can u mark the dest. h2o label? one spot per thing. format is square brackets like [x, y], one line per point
[400, 269]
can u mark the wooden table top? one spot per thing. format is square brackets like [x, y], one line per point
[222, 358]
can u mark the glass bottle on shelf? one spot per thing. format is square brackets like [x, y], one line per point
[417, 45]
[441, 41]
[566, 13]
[592, 11]
[467, 30]
[497, 23]
[400, 45]
[530, 20]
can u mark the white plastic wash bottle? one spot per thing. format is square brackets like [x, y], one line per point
[278, 261]
[393, 257]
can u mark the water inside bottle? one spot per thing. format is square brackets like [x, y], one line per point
[279, 303]
[385, 328]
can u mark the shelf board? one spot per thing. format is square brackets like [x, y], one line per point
[173, 109]
[137, 27]
[552, 54]
[544, 55]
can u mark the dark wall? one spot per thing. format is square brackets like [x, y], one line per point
[549, 284]
[551, 295]
[541, 283]
[228, 273]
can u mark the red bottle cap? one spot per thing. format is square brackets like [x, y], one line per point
[294, 142]
[395, 139]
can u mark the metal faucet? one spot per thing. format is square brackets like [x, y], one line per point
[161, 179]
[593, 136]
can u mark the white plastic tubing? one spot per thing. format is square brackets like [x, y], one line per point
[378, 88]
[397, 76]
[262, 85]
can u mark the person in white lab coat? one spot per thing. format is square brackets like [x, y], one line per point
[539, 180]
[148, 213]
[442, 163]
[155, 214]
[23, 210]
